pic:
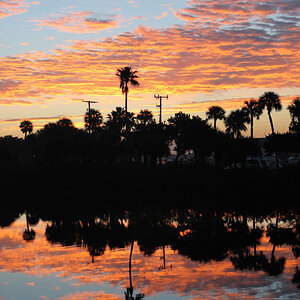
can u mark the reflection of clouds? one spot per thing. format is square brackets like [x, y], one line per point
[8, 242]
[89, 295]
[218, 279]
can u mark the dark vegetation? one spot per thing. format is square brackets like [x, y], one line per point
[202, 235]
[125, 160]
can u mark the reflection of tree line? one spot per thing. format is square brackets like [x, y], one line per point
[201, 236]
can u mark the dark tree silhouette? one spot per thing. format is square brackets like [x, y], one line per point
[149, 138]
[93, 120]
[254, 110]
[118, 127]
[176, 128]
[26, 127]
[270, 101]
[129, 291]
[235, 123]
[127, 76]
[64, 123]
[294, 110]
[215, 113]
[29, 233]
[144, 118]
[199, 137]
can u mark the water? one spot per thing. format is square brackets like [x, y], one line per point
[172, 255]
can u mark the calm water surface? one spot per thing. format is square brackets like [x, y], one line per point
[179, 258]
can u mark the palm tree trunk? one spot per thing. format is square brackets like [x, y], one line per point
[273, 132]
[271, 122]
[130, 277]
[251, 122]
[126, 95]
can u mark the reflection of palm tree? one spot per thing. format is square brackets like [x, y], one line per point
[29, 233]
[126, 76]
[163, 257]
[296, 278]
[129, 291]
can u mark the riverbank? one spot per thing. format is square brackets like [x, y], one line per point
[172, 185]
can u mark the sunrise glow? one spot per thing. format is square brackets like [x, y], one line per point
[197, 52]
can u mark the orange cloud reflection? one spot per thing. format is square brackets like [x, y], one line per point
[185, 277]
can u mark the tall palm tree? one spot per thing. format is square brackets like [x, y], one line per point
[26, 127]
[126, 76]
[294, 109]
[254, 110]
[235, 123]
[270, 101]
[215, 113]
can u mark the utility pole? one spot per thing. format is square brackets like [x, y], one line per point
[89, 111]
[160, 105]
[160, 113]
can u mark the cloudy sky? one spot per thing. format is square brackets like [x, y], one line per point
[54, 54]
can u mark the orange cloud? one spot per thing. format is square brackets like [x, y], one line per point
[77, 22]
[226, 104]
[13, 7]
[254, 49]
[163, 15]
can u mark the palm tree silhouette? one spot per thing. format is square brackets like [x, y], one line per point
[64, 123]
[254, 110]
[129, 291]
[144, 118]
[215, 113]
[26, 127]
[93, 120]
[127, 76]
[29, 233]
[270, 101]
[235, 123]
[294, 110]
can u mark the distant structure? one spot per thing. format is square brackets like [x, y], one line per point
[160, 105]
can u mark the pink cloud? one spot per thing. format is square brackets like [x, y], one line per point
[205, 55]
[163, 15]
[77, 22]
[13, 7]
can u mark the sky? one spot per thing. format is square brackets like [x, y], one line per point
[54, 54]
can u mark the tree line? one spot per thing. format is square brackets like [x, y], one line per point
[141, 138]
[200, 235]
[124, 136]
